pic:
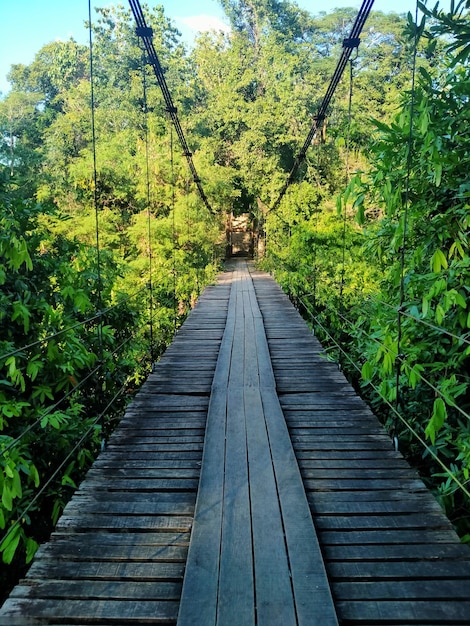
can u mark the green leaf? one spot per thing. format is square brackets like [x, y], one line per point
[17, 489]
[7, 500]
[34, 367]
[10, 543]
[367, 371]
[438, 261]
[414, 375]
[437, 420]
[31, 549]
[33, 472]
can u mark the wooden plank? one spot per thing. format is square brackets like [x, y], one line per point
[132, 571]
[393, 552]
[374, 507]
[414, 571]
[125, 508]
[142, 485]
[174, 523]
[439, 612]
[274, 601]
[406, 520]
[96, 589]
[91, 612]
[236, 593]
[200, 586]
[305, 558]
[383, 536]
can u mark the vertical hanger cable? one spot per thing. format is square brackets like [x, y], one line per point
[399, 356]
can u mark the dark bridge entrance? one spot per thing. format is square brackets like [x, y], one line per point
[240, 236]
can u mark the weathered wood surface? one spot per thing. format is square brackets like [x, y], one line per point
[119, 550]
[287, 440]
[390, 554]
[254, 557]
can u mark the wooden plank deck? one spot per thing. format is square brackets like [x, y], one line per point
[391, 556]
[119, 550]
[254, 557]
[242, 375]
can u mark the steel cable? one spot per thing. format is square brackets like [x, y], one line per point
[348, 45]
[146, 34]
[448, 471]
[81, 383]
[20, 517]
[94, 317]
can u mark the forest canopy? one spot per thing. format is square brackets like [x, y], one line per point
[105, 244]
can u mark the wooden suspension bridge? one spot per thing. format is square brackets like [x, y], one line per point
[247, 484]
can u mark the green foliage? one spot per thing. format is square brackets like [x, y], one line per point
[73, 334]
[411, 203]
[430, 201]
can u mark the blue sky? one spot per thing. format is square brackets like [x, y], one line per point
[26, 25]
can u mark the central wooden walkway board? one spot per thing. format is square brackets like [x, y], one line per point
[254, 557]
[379, 551]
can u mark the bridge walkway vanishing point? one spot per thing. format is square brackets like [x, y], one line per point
[248, 447]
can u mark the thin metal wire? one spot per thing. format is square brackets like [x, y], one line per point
[49, 410]
[400, 360]
[173, 227]
[345, 214]
[319, 118]
[146, 35]
[95, 181]
[98, 315]
[149, 216]
[405, 213]
[80, 384]
[397, 413]
[18, 520]
[439, 329]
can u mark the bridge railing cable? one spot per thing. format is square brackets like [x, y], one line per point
[146, 34]
[439, 329]
[398, 415]
[79, 385]
[93, 318]
[399, 358]
[15, 526]
[349, 44]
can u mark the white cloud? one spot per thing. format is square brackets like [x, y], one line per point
[203, 23]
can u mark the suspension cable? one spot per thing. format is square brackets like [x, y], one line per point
[173, 226]
[146, 35]
[400, 357]
[96, 316]
[438, 329]
[75, 388]
[448, 471]
[149, 216]
[345, 214]
[349, 44]
[95, 181]
[96, 420]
